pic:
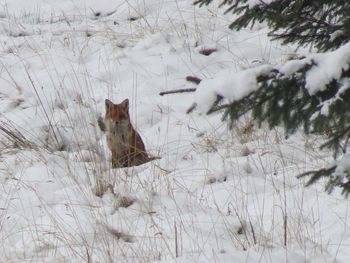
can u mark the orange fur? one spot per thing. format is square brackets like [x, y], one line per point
[123, 140]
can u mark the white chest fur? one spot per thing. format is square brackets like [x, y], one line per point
[117, 134]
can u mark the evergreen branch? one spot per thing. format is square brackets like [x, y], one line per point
[218, 108]
[285, 100]
[297, 21]
[336, 138]
[323, 22]
[215, 106]
[317, 174]
[346, 188]
[346, 143]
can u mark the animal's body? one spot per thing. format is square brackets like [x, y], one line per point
[123, 140]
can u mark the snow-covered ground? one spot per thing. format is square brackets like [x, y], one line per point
[216, 195]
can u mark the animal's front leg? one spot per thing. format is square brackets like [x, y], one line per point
[115, 160]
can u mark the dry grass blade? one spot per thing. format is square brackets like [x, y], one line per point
[15, 137]
[117, 234]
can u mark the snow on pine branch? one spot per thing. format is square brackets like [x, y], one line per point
[233, 86]
[230, 85]
[330, 66]
[252, 3]
[338, 172]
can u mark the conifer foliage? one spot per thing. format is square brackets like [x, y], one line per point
[311, 92]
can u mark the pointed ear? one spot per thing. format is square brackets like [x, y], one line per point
[125, 104]
[108, 104]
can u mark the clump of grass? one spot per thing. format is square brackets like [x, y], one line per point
[117, 234]
[14, 138]
[214, 179]
[207, 51]
[133, 18]
[124, 201]
[244, 130]
[245, 151]
[102, 187]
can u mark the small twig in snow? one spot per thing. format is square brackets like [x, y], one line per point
[177, 91]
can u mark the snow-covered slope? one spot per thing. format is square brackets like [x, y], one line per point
[216, 195]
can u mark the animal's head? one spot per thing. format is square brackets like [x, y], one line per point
[117, 112]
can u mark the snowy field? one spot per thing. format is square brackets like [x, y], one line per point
[220, 193]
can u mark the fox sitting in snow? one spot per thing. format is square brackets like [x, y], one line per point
[123, 140]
